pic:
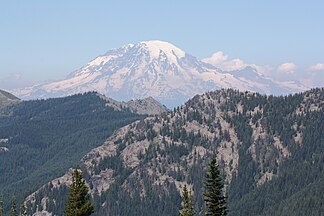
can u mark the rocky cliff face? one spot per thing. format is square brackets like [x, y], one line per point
[146, 163]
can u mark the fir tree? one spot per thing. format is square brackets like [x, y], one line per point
[23, 210]
[213, 196]
[1, 206]
[187, 206]
[78, 203]
[13, 210]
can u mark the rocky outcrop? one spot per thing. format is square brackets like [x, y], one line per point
[173, 148]
[146, 106]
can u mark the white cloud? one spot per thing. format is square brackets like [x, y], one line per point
[288, 67]
[216, 58]
[285, 72]
[235, 64]
[220, 60]
[317, 67]
[314, 77]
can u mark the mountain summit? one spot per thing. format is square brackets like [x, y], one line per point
[157, 69]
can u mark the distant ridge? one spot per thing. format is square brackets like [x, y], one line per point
[146, 106]
[7, 99]
[8, 95]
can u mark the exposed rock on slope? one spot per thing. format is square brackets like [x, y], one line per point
[146, 162]
[146, 106]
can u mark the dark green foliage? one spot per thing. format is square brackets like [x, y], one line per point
[23, 210]
[157, 200]
[13, 209]
[46, 137]
[182, 140]
[214, 191]
[59, 205]
[1, 206]
[287, 193]
[187, 208]
[78, 203]
[308, 201]
[298, 180]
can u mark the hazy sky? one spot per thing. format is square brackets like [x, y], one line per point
[43, 40]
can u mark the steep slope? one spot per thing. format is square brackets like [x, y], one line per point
[151, 68]
[7, 99]
[43, 138]
[270, 150]
[146, 106]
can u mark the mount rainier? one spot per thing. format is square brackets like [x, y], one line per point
[157, 69]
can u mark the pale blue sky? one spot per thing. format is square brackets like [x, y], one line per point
[42, 40]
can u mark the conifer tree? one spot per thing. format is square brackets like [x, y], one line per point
[78, 203]
[23, 210]
[186, 205]
[13, 210]
[1, 206]
[214, 198]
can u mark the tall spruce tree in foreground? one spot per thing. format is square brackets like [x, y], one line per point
[78, 203]
[186, 205]
[23, 210]
[1, 206]
[13, 210]
[214, 198]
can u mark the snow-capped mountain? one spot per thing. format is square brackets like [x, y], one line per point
[157, 69]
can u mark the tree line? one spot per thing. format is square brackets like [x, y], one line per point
[14, 211]
[79, 203]
[79, 200]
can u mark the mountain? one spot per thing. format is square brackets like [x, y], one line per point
[153, 68]
[266, 84]
[41, 139]
[7, 99]
[146, 106]
[269, 149]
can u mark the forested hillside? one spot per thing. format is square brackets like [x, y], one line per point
[41, 139]
[270, 150]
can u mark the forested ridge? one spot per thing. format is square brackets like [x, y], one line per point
[40, 139]
[269, 149]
